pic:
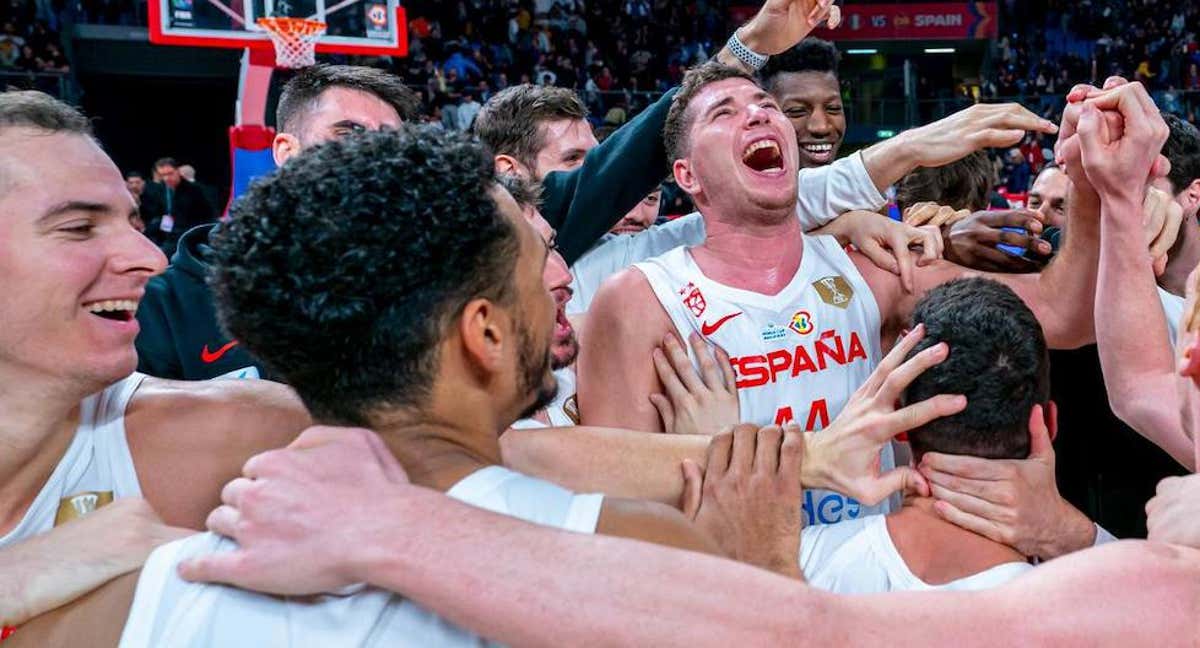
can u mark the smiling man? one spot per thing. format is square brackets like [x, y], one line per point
[804, 80]
[804, 321]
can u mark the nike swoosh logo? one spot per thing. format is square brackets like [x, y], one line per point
[707, 329]
[210, 357]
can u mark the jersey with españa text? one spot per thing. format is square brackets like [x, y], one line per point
[798, 355]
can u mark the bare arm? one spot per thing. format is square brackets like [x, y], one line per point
[616, 374]
[189, 439]
[652, 522]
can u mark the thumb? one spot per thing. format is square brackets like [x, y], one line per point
[904, 479]
[665, 411]
[1039, 435]
[693, 479]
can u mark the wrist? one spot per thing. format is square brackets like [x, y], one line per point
[890, 160]
[1077, 533]
[814, 467]
[374, 555]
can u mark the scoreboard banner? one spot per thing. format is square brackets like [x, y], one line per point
[913, 21]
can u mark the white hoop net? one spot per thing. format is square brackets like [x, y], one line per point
[295, 40]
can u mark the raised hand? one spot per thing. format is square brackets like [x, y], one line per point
[781, 24]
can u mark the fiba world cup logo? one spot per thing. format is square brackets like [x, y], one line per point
[801, 323]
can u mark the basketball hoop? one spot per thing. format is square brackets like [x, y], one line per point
[295, 40]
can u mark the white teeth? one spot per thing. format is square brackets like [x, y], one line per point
[818, 148]
[112, 305]
[758, 146]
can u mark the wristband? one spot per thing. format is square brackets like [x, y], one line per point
[747, 56]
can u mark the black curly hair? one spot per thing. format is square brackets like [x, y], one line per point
[342, 271]
[809, 55]
[1182, 148]
[998, 360]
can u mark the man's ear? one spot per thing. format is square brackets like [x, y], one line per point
[508, 165]
[682, 170]
[484, 333]
[1189, 198]
[285, 147]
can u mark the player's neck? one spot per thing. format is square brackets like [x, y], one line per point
[40, 419]
[438, 453]
[938, 552]
[760, 257]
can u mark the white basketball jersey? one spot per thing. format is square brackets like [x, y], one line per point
[798, 355]
[168, 611]
[95, 469]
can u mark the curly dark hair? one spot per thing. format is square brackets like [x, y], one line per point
[809, 55]
[998, 360]
[510, 123]
[1182, 148]
[301, 92]
[678, 119]
[342, 271]
[962, 184]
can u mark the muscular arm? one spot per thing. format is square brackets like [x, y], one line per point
[189, 439]
[616, 374]
[1135, 355]
[652, 522]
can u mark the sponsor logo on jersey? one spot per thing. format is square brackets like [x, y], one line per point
[693, 299]
[209, 357]
[801, 322]
[772, 332]
[834, 290]
[707, 329]
[827, 350]
[831, 508]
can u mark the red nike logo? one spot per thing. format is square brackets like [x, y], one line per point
[210, 357]
[707, 329]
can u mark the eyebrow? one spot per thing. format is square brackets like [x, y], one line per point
[717, 106]
[71, 206]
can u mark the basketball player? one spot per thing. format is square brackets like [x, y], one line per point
[998, 359]
[81, 428]
[180, 338]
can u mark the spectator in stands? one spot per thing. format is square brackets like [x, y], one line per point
[136, 183]
[468, 110]
[210, 192]
[1016, 172]
[180, 204]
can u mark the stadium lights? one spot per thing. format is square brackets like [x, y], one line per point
[939, 50]
[862, 51]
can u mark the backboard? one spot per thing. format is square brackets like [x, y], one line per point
[361, 27]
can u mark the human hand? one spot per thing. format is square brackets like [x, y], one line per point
[844, 457]
[931, 213]
[1012, 501]
[781, 24]
[307, 516]
[80, 556]
[1119, 159]
[972, 241]
[966, 131]
[695, 403]
[1162, 217]
[1173, 515]
[748, 496]
[887, 243]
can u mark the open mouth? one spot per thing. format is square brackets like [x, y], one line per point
[764, 156]
[116, 310]
[818, 150]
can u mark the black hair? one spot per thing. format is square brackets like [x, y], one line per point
[302, 91]
[1182, 148]
[998, 360]
[809, 55]
[343, 270]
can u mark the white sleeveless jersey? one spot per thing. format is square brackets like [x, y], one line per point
[798, 355]
[95, 469]
[168, 611]
[563, 411]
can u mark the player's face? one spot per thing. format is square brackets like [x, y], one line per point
[533, 314]
[556, 278]
[641, 217]
[1049, 196]
[566, 142]
[742, 151]
[812, 101]
[342, 111]
[72, 265]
